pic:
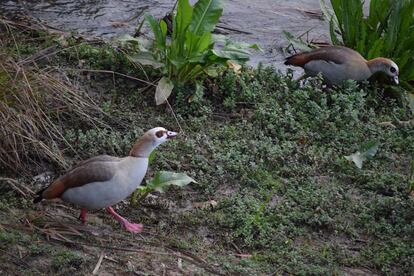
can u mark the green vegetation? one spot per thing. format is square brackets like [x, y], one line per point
[387, 31]
[160, 183]
[7, 238]
[190, 54]
[277, 168]
[275, 193]
[64, 259]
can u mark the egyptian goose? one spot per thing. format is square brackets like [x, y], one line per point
[104, 180]
[337, 64]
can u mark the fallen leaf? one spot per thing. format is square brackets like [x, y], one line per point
[163, 90]
[235, 66]
[368, 150]
[163, 179]
[146, 58]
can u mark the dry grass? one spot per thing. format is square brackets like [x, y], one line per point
[33, 104]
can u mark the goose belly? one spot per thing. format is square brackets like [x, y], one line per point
[97, 195]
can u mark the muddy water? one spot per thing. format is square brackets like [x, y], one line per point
[259, 21]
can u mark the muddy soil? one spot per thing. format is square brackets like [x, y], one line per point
[261, 21]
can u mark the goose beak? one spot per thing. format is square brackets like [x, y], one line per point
[171, 134]
[395, 79]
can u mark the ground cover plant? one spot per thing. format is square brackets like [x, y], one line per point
[274, 193]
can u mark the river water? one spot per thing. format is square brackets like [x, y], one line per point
[260, 21]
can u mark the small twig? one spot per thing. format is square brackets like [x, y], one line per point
[220, 26]
[192, 256]
[243, 255]
[175, 117]
[98, 264]
[138, 30]
[360, 240]
[111, 259]
[388, 123]
[175, 5]
[236, 247]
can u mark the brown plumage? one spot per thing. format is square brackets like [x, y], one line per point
[337, 64]
[334, 54]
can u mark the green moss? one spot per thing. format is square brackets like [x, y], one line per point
[7, 237]
[66, 260]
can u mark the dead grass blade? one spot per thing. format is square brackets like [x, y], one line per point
[98, 264]
[23, 190]
[34, 106]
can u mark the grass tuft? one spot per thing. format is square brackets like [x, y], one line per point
[37, 104]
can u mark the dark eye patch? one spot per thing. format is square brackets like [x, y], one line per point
[393, 70]
[159, 133]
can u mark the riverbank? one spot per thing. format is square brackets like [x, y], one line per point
[274, 192]
[259, 22]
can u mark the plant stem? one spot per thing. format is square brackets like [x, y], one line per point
[175, 5]
[142, 197]
[138, 30]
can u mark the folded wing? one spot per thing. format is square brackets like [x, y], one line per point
[97, 169]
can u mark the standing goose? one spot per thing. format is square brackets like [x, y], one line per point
[104, 180]
[337, 64]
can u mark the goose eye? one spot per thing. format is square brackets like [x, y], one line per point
[393, 70]
[159, 133]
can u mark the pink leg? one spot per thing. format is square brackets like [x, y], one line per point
[131, 227]
[82, 215]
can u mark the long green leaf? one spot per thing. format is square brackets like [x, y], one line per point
[206, 15]
[376, 49]
[182, 19]
[334, 37]
[393, 26]
[181, 23]
[197, 44]
[156, 29]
